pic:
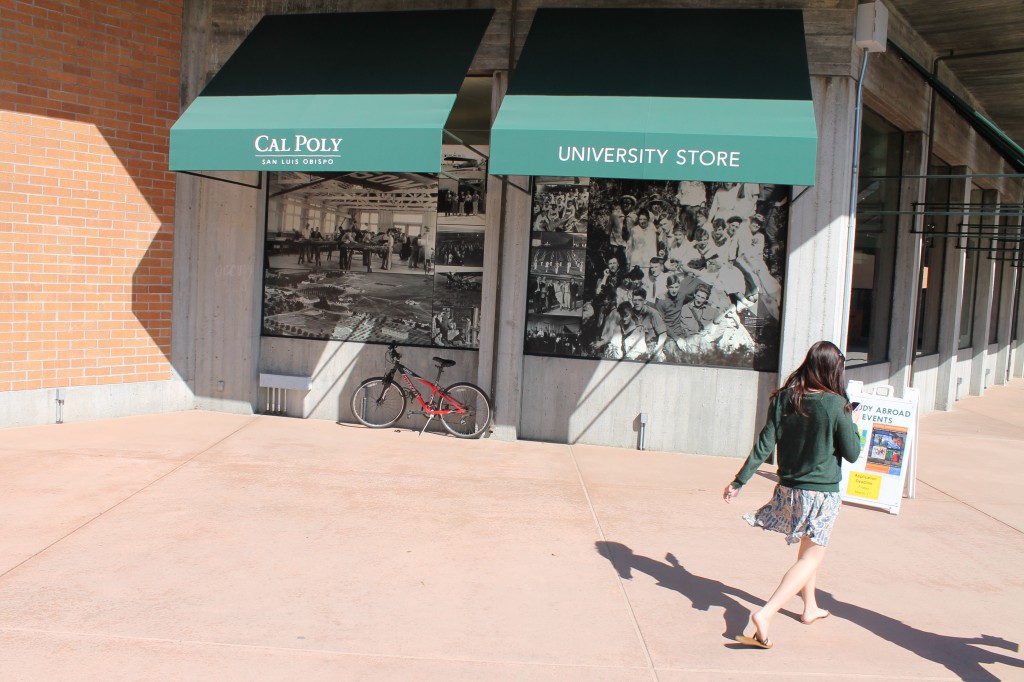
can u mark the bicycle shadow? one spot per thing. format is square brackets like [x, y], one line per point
[962, 656]
[703, 593]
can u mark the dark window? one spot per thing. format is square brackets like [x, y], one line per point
[1016, 308]
[933, 256]
[997, 292]
[970, 274]
[874, 257]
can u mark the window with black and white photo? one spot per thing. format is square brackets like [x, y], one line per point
[377, 257]
[657, 271]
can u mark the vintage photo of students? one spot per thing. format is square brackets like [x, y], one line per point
[353, 257]
[680, 272]
[462, 185]
[457, 292]
[457, 246]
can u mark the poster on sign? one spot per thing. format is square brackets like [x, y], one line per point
[888, 433]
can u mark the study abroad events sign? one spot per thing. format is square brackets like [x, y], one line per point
[888, 435]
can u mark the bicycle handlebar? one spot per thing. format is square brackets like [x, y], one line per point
[393, 353]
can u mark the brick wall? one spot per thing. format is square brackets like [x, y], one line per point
[88, 90]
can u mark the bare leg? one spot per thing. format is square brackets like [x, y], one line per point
[796, 578]
[811, 610]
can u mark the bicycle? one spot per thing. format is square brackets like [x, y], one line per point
[378, 402]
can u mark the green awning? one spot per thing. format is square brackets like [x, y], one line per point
[661, 94]
[333, 92]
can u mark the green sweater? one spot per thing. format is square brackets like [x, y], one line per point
[810, 447]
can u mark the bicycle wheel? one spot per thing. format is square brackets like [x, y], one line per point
[477, 415]
[378, 403]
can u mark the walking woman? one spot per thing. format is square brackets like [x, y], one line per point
[809, 420]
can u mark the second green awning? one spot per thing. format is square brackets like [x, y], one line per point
[670, 94]
[335, 92]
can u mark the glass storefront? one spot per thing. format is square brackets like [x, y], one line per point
[875, 245]
[971, 271]
[933, 257]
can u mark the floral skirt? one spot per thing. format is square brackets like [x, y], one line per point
[797, 514]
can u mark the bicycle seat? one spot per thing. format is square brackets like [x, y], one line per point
[442, 363]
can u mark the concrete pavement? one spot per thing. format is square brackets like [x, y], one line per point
[206, 546]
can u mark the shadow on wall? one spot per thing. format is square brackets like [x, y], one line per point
[337, 369]
[152, 286]
[113, 74]
[703, 410]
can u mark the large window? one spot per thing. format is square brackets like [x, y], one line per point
[933, 258]
[971, 271]
[875, 245]
[997, 292]
[1016, 306]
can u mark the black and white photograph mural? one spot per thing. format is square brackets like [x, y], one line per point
[354, 257]
[666, 272]
[462, 186]
[459, 246]
[456, 320]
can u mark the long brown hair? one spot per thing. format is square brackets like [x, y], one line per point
[824, 369]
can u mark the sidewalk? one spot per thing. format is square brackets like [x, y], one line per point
[207, 546]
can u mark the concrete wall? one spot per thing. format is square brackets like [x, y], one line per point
[336, 369]
[690, 409]
[925, 378]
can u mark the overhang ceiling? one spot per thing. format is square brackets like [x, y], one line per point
[982, 44]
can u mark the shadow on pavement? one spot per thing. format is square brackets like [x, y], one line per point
[962, 656]
[702, 592]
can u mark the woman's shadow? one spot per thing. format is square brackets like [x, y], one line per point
[703, 593]
[962, 656]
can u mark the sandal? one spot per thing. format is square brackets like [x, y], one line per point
[755, 641]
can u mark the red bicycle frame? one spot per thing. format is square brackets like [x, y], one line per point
[435, 391]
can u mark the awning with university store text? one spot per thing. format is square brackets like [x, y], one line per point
[364, 91]
[663, 94]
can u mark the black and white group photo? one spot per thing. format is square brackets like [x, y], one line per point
[676, 272]
[457, 292]
[458, 246]
[353, 257]
[456, 327]
[462, 186]
[555, 295]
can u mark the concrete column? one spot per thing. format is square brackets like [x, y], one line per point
[492, 258]
[513, 199]
[814, 305]
[510, 326]
[983, 300]
[952, 295]
[906, 283]
[195, 38]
